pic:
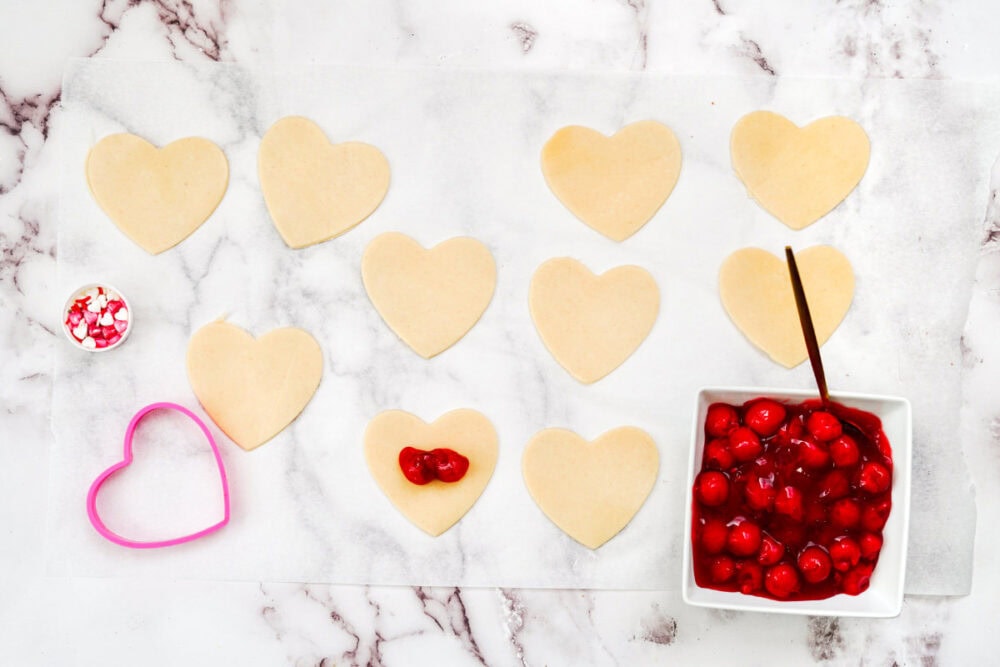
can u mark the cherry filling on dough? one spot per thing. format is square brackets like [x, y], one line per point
[423, 467]
[791, 499]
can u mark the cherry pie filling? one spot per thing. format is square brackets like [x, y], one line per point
[791, 499]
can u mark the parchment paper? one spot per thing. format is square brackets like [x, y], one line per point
[464, 151]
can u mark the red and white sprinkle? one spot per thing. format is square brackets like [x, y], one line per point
[97, 318]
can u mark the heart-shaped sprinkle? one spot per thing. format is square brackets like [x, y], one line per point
[95, 488]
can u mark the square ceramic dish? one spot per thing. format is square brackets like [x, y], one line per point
[884, 597]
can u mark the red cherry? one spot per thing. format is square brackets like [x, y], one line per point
[873, 517]
[720, 420]
[844, 452]
[413, 462]
[765, 417]
[789, 502]
[717, 454]
[744, 444]
[781, 580]
[759, 493]
[814, 564]
[792, 430]
[451, 466]
[750, 577]
[845, 513]
[811, 453]
[711, 488]
[744, 538]
[722, 569]
[870, 545]
[824, 426]
[874, 478]
[714, 535]
[771, 551]
[845, 554]
[834, 486]
[857, 580]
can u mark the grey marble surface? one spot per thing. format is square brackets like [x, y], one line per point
[71, 620]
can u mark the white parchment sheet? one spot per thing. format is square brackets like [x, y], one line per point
[464, 151]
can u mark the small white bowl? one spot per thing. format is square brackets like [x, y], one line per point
[76, 294]
[884, 597]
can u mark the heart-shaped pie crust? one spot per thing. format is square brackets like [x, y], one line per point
[756, 291]
[253, 388]
[316, 190]
[157, 197]
[437, 506]
[430, 298]
[613, 184]
[591, 490]
[592, 324]
[799, 174]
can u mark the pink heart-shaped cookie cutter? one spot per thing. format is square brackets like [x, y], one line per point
[107, 533]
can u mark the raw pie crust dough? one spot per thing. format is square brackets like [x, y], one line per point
[437, 506]
[799, 174]
[613, 184]
[591, 490]
[157, 197]
[315, 190]
[252, 389]
[430, 298]
[592, 324]
[756, 291]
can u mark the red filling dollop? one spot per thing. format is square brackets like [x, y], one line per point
[791, 499]
[422, 467]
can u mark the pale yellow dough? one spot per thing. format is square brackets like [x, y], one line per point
[315, 190]
[252, 389]
[591, 490]
[613, 184]
[756, 291]
[592, 324]
[437, 506]
[799, 174]
[430, 298]
[157, 197]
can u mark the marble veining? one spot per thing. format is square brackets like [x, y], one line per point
[122, 622]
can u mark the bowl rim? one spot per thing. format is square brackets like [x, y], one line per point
[740, 602]
[72, 297]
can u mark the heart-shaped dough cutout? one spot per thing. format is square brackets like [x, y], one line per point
[316, 190]
[613, 184]
[592, 324]
[799, 174]
[756, 291]
[157, 197]
[591, 490]
[253, 388]
[430, 298]
[437, 506]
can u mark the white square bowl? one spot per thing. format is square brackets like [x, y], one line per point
[884, 597]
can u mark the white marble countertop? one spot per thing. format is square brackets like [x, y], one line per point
[55, 620]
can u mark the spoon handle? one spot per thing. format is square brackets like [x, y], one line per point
[808, 332]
